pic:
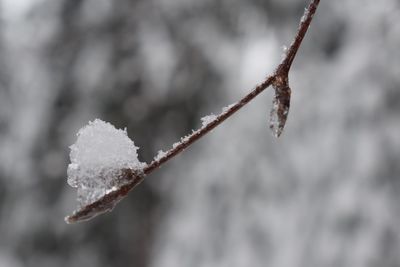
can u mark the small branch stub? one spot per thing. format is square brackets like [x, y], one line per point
[280, 105]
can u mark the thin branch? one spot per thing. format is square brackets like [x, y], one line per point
[186, 142]
[278, 78]
[282, 69]
[301, 32]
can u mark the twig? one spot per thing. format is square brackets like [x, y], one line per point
[305, 22]
[279, 79]
[186, 142]
[281, 71]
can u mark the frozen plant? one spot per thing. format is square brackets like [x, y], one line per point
[104, 164]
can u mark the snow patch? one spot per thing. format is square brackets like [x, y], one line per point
[98, 158]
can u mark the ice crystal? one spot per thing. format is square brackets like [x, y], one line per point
[160, 154]
[304, 17]
[207, 119]
[285, 50]
[227, 108]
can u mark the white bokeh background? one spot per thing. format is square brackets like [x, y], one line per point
[325, 194]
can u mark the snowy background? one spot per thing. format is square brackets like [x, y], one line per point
[327, 193]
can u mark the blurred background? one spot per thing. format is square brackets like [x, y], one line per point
[327, 193]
